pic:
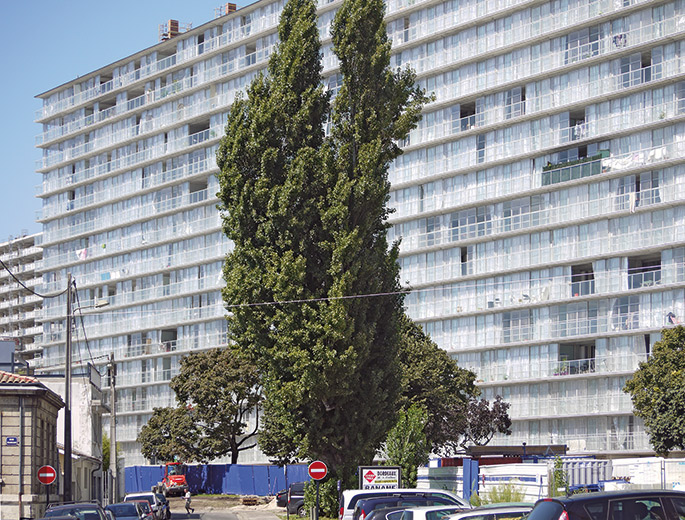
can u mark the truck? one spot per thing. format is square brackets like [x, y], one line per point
[174, 482]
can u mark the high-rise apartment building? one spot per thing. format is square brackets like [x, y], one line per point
[20, 309]
[540, 201]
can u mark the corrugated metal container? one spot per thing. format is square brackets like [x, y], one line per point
[583, 472]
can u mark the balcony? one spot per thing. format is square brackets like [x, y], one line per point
[567, 171]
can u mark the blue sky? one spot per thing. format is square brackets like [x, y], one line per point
[46, 43]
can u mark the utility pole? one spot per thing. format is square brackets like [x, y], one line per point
[113, 428]
[67, 398]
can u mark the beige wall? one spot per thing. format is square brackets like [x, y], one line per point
[37, 447]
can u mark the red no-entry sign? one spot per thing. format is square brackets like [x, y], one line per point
[317, 470]
[47, 475]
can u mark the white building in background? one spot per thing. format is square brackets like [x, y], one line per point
[20, 310]
[541, 201]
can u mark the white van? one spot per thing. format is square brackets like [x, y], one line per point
[350, 497]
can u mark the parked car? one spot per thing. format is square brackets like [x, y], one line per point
[295, 505]
[152, 499]
[427, 512]
[126, 511]
[386, 513]
[148, 514]
[282, 498]
[349, 498]
[504, 511]
[79, 510]
[165, 506]
[643, 504]
[365, 506]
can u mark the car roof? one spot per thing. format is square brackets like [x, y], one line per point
[428, 509]
[481, 510]
[633, 493]
[395, 496]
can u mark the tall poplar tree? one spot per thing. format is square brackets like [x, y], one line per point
[308, 219]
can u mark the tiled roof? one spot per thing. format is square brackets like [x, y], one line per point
[15, 379]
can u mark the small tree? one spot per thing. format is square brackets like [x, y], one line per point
[657, 390]
[171, 433]
[223, 391]
[407, 445]
[483, 422]
[434, 381]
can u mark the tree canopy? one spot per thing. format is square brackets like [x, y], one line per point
[169, 434]
[217, 392]
[223, 391]
[657, 389]
[308, 221]
[434, 381]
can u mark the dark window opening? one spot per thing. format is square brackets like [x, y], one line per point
[644, 271]
[582, 280]
[467, 115]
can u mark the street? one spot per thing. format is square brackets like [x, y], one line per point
[207, 515]
[225, 514]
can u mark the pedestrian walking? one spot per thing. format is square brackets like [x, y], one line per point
[186, 497]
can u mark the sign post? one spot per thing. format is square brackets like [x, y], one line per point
[317, 470]
[47, 475]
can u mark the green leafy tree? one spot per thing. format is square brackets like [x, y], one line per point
[657, 390]
[407, 445]
[308, 221]
[434, 381]
[222, 389]
[171, 433]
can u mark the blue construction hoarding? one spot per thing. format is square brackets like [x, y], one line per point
[227, 479]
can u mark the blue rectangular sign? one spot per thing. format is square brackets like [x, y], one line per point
[12, 441]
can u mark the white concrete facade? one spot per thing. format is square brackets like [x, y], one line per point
[19, 309]
[540, 202]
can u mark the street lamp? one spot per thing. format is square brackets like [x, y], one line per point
[67, 389]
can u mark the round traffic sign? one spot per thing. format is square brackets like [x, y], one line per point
[47, 475]
[317, 470]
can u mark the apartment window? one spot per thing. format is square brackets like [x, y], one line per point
[582, 280]
[480, 148]
[626, 313]
[576, 358]
[250, 54]
[515, 102]
[582, 44]
[680, 96]
[467, 114]
[516, 214]
[467, 259]
[517, 326]
[201, 44]
[432, 225]
[648, 188]
[169, 338]
[198, 191]
[644, 271]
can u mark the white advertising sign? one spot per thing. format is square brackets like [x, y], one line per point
[380, 477]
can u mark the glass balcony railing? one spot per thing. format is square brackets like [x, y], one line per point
[547, 369]
[53, 109]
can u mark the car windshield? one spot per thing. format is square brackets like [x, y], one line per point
[147, 499]
[80, 513]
